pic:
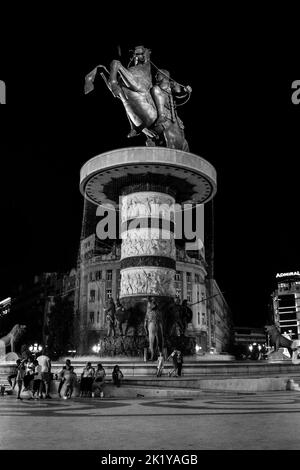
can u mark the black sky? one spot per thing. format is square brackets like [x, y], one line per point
[240, 118]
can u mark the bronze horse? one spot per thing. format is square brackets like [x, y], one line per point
[147, 107]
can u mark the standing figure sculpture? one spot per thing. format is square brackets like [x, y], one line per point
[150, 109]
[186, 314]
[121, 318]
[110, 312]
[154, 327]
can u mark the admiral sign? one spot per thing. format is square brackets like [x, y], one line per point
[296, 273]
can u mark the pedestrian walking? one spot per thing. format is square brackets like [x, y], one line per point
[13, 376]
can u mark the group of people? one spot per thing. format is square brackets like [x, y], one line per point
[92, 381]
[177, 358]
[32, 376]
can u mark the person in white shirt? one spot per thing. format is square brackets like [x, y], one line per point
[45, 364]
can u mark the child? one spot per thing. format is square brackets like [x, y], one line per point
[160, 365]
[173, 355]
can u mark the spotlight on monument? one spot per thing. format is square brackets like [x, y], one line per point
[250, 348]
[35, 348]
[96, 348]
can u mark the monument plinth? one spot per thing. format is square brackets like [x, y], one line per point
[146, 186]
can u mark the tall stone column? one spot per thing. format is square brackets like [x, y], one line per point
[148, 254]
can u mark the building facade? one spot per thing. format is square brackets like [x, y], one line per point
[286, 303]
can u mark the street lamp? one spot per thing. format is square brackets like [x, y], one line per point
[250, 348]
[35, 348]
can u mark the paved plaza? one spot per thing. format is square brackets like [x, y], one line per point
[216, 421]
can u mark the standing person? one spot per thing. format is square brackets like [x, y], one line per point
[117, 375]
[179, 358]
[99, 381]
[70, 381]
[45, 364]
[37, 378]
[87, 378]
[160, 365]
[61, 375]
[20, 376]
[14, 374]
[29, 373]
[173, 355]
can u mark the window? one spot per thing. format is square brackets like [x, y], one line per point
[197, 278]
[92, 276]
[92, 317]
[108, 294]
[198, 315]
[189, 296]
[98, 317]
[188, 277]
[98, 275]
[203, 319]
[178, 294]
[178, 276]
[92, 295]
[109, 275]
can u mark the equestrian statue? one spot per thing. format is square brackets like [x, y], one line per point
[150, 108]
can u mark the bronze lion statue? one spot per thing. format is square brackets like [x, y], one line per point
[11, 338]
[278, 340]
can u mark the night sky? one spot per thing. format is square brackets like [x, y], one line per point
[240, 118]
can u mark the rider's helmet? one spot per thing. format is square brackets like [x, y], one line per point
[141, 51]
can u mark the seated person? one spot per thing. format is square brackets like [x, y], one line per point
[99, 381]
[117, 375]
